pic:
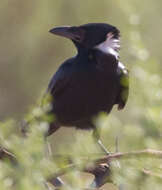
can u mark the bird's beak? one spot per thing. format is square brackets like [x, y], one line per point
[73, 33]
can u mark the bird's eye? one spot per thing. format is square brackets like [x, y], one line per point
[77, 38]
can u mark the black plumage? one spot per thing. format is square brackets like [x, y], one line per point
[91, 82]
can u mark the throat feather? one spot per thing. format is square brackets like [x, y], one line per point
[110, 46]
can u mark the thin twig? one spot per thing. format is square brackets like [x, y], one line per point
[152, 174]
[5, 154]
[100, 166]
[149, 153]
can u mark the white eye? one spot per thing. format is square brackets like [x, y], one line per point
[110, 46]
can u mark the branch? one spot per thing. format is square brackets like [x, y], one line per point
[152, 174]
[101, 172]
[101, 167]
[5, 154]
[133, 154]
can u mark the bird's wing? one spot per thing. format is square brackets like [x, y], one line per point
[61, 80]
[124, 86]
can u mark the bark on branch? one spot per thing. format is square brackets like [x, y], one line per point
[100, 168]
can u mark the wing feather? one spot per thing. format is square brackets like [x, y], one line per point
[61, 80]
[124, 86]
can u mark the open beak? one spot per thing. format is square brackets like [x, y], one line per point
[73, 33]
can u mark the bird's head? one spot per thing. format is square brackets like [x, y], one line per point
[102, 36]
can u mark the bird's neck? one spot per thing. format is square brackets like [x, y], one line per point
[83, 53]
[93, 56]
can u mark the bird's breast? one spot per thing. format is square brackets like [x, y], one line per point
[91, 91]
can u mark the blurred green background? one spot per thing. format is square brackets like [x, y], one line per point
[30, 55]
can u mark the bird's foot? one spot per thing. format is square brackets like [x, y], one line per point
[104, 149]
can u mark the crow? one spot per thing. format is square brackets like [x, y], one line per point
[91, 82]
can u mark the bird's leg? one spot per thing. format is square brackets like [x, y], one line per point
[117, 150]
[100, 177]
[57, 182]
[102, 147]
[48, 148]
[96, 136]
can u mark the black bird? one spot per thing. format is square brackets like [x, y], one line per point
[91, 82]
